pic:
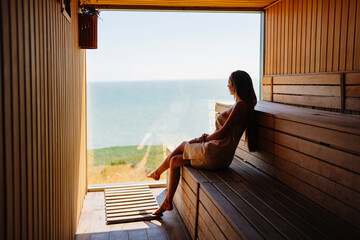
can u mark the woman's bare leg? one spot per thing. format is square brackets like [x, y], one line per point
[175, 162]
[166, 163]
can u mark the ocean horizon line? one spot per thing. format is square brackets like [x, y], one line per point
[159, 80]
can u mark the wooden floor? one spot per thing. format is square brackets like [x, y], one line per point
[92, 224]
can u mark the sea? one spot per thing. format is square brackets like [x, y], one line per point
[151, 112]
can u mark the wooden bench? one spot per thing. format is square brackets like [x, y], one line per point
[338, 91]
[302, 183]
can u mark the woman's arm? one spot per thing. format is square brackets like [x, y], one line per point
[236, 116]
[199, 139]
[227, 112]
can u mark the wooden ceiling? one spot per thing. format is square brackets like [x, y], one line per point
[216, 5]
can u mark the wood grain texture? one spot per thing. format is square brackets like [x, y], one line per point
[307, 79]
[314, 19]
[305, 157]
[352, 78]
[331, 91]
[15, 118]
[352, 104]
[309, 101]
[205, 220]
[182, 4]
[277, 25]
[213, 211]
[271, 30]
[330, 38]
[186, 209]
[308, 35]
[318, 35]
[330, 120]
[286, 33]
[281, 33]
[352, 91]
[240, 201]
[342, 210]
[290, 35]
[303, 35]
[326, 91]
[343, 140]
[2, 151]
[43, 101]
[340, 184]
[335, 157]
[298, 36]
[351, 35]
[315, 36]
[203, 230]
[344, 34]
[308, 211]
[241, 181]
[6, 94]
[356, 64]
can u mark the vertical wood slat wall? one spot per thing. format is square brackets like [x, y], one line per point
[311, 36]
[42, 121]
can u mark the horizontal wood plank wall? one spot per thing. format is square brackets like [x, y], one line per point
[311, 36]
[325, 91]
[42, 121]
[309, 154]
[320, 36]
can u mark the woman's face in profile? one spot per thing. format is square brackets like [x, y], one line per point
[231, 87]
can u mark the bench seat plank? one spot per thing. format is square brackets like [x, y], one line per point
[302, 183]
[310, 212]
[200, 235]
[216, 205]
[225, 194]
[278, 216]
[189, 193]
[323, 176]
[256, 218]
[187, 173]
[206, 219]
[204, 226]
[195, 174]
[299, 185]
[332, 120]
[186, 209]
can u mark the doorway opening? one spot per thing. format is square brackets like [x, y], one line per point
[153, 83]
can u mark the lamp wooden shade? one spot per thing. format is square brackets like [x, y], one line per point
[88, 31]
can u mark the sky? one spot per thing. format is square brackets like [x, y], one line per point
[138, 46]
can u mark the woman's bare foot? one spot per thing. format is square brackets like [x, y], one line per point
[154, 175]
[165, 206]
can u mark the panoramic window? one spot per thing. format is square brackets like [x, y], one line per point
[153, 82]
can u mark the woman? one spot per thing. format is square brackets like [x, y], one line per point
[215, 151]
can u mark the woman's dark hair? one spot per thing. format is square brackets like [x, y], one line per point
[242, 83]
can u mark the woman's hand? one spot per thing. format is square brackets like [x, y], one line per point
[203, 137]
[200, 139]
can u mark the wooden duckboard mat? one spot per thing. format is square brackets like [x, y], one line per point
[129, 203]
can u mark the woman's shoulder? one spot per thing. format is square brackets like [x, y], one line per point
[240, 105]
